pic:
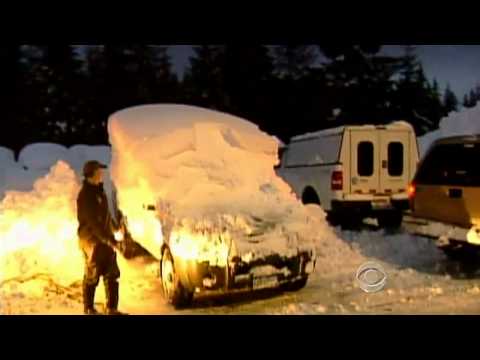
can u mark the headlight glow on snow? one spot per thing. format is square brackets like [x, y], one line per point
[202, 247]
[118, 235]
[38, 229]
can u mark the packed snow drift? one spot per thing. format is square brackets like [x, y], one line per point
[465, 122]
[38, 229]
[211, 177]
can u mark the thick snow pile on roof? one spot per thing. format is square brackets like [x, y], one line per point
[42, 156]
[339, 130]
[198, 164]
[465, 122]
[38, 229]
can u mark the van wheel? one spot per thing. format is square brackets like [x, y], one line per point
[390, 220]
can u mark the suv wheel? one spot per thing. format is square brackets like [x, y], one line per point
[174, 292]
[296, 285]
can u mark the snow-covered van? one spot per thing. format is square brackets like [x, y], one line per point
[200, 193]
[354, 172]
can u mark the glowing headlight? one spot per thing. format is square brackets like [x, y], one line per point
[118, 235]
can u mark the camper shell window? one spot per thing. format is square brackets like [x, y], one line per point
[365, 158]
[322, 150]
[395, 159]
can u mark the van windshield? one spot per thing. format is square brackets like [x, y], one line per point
[451, 164]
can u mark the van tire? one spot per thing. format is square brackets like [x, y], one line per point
[310, 196]
[390, 220]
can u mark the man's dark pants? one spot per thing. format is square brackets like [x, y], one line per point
[100, 261]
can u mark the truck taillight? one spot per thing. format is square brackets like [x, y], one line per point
[337, 181]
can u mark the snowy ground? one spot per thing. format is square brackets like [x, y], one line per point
[37, 225]
[420, 281]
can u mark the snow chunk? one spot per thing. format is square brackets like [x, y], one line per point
[465, 122]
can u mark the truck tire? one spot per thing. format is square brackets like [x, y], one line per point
[390, 220]
[310, 196]
[333, 219]
[173, 290]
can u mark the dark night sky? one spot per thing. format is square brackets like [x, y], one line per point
[458, 65]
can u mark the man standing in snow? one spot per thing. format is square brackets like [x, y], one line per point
[97, 241]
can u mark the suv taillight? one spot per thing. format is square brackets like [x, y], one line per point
[411, 191]
[337, 181]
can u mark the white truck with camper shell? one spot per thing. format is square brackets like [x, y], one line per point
[354, 172]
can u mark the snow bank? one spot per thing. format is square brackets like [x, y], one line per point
[42, 156]
[401, 250]
[7, 157]
[7, 160]
[78, 155]
[207, 172]
[465, 122]
[38, 229]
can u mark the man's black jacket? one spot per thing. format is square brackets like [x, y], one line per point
[95, 225]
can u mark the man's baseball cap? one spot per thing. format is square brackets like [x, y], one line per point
[91, 166]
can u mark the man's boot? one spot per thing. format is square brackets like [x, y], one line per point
[111, 291]
[88, 299]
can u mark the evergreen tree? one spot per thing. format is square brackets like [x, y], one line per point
[11, 97]
[125, 76]
[450, 101]
[471, 99]
[362, 81]
[53, 92]
[204, 78]
[247, 72]
[416, 100]
[293, 61]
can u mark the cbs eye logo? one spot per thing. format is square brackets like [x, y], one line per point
[371, 277]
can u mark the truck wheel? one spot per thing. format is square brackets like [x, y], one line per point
[351, 222]
[296, 285]
[174, 292]
[390, 220]
[310, 196]
[333, 219]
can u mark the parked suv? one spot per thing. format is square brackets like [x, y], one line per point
[445, 192]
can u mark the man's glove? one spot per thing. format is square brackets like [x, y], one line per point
[121, 247]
